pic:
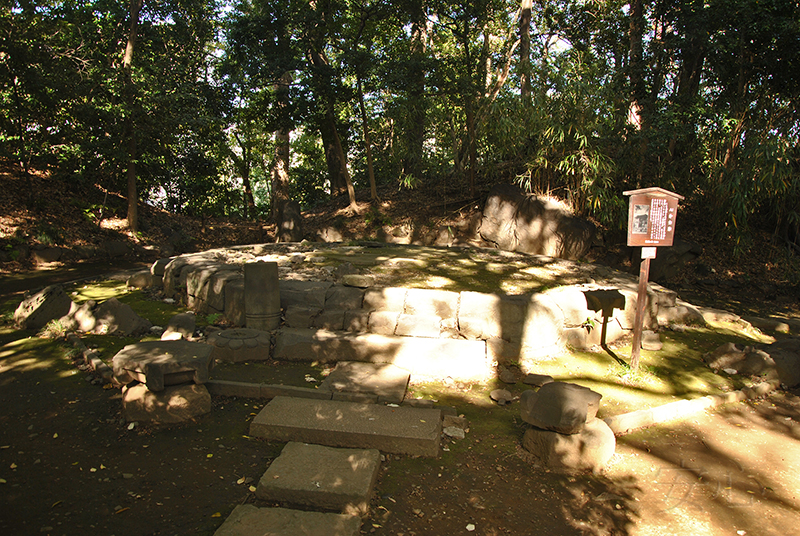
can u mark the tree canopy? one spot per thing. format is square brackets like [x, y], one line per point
[232, 108]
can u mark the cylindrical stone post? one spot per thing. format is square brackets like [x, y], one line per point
[262, 299]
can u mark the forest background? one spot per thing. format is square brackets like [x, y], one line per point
[229, 109]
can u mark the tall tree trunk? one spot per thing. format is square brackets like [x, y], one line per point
[334, 142]
[414, 133]
[636, 110]
[280, 167]
[243, 165]
[525, 50]
[373, 189]
[130, 127]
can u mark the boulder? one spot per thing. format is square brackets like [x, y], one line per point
[514, 221]
[142, 279]
[36, 311]
[177, 403]
[560, 407]
[786, 356]
[180, 326]
[117, 318]
[590, 449]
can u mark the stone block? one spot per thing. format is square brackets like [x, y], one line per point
[418, 326]
[158, 267]
[162, 363]
[385, 299]
[234, 302]
[306, 293]
[485, 316]
[560, 407]
[357, 321]
[543, 325]
[590, 449]
[174, 404]
[428, 302]
[249, 520]
[339, 297]
[215, 291]
[240, 344]
[424, 358]
[300, 316]
[330, 319]
[358, 280]
[321, 478]
[383, 322]
[399, 430]
[36, 311]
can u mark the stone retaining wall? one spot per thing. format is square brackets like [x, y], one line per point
[532, 325]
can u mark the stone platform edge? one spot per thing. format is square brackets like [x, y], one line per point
[269, 391]
[635, 420]
[92, 359]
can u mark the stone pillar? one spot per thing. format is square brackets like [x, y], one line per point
[262, 299]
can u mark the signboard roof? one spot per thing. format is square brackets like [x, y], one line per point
[654, 190]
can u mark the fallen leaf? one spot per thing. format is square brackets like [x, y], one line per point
[13, 466]
[131, 426]
[216, 514]
[241, 480]
[55, 435]
[3, 481]
[209, 455]
[121, 510]
[252, 489]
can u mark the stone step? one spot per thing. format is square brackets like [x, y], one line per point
[399, 430]
[381, 382]
[424, 358]
[249, 520]
[322, 478]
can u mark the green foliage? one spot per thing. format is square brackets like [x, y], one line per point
[716, 88]
[375, 218]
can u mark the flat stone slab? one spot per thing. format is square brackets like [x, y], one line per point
[249, 520]
[425, 358]
[386, 381]
[161, 363]
[323, 478]
[400, 430]
[240, 344]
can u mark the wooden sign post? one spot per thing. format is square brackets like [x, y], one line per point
[651, 223]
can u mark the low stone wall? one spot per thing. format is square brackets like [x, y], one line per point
[513, 327]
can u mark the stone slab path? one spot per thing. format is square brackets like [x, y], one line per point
[249, 520]
[386, 381]
[399, 430]
[322, 478]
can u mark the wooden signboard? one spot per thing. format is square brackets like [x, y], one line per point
[651, 223]
[651, 217]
